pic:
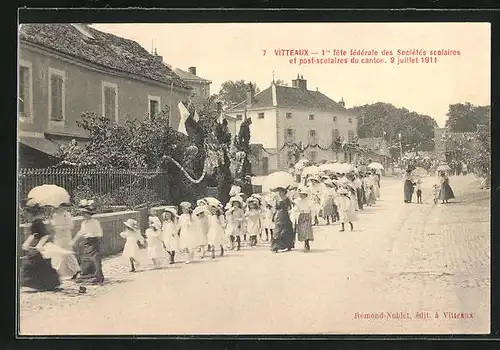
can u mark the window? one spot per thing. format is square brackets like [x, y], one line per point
[239, 117]
[334, 119]
[110, 101]
[261, 115]
[154, 105]
[289, 116]
[312, 133]
[350, 136]
[311, 116]
[57, 92]
[313, 155]
[290, 135]
[25, 93]
[313, 136]
[350, 120]
[335, 134]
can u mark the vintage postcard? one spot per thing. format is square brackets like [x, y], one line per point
[254, 178]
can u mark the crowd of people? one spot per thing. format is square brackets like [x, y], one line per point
[277, 218]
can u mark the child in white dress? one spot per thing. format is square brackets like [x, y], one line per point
[216, 226]
[201, 224]
[237, 217]
[253, 219]
[133, 238]
[269, 224]
[170, 232]
[155, 246]
[347, 211]
[187, 231]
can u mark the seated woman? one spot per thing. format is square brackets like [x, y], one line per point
[37, 271]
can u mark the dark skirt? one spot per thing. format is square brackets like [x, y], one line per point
[328, 209]
[408, 191]
[284, 235]
[37, 272]
[304, 227]
[90, 250]
[446, 192]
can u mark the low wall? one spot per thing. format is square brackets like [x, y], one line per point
[112, 225]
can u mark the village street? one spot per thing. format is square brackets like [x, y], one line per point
[401, 258]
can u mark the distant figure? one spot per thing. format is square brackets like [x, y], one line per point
[408, 187]
[419, 191]
[445, 193]
[247, 187]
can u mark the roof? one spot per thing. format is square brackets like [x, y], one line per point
[295, 98]
[101, 48]
[190, 77]
[40, 144]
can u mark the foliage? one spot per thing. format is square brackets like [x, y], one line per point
[465, 117]
[417, 131]
[234, 92]
[281, 82]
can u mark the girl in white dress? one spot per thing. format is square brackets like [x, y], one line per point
[253, 220]
[346, 209]
[66, 265]
[269, 219]
[216, 226]
[200, 219]
[187, 231]
[170, 232]
[237, 217]
[156, 251]
[132, 237]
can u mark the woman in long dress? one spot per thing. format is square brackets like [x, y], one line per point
[445, 192]
[304, 221]
[408, 187]
[37, 271]
[284, 236]
[66, 265]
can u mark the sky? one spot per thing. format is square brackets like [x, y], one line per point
[233, 51]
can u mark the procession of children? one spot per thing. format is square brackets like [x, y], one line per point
[278, 218]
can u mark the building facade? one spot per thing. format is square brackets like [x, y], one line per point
[285, 119]
[200, 86]
[66, 70]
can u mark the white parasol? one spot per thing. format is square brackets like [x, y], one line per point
[212, 201]
[443, 167]
[345, 168]
[329, 167]
[277, 179]
[376, 165]
[419, 171]
[48, 195]
[313, 169]
[302, 163]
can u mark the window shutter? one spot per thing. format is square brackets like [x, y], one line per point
[56, 98]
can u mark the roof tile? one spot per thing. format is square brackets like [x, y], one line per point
[105, 49]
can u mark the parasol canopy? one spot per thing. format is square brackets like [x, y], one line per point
[313, 169]
[48, 195]
[302, 163]
[329, 167]
[277, 179]
[419, 171]
[376, 165]
[443, 167]
[344, 168]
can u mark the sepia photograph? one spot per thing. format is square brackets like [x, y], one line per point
[253, 178]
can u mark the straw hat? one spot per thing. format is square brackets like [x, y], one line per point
[172, 210]
[201, 202]
[132, 224]
[303, 190]
[253, 200]
[87, 206]
[343, 190]
[236, 199]
[202, 209]
[186, 205]
[155, 222]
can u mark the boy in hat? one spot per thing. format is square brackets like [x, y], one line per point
[91, 233]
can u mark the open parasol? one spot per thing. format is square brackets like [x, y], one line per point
[212, 201]
[302, 163]
[344, 168]
[329, 167]
[443, 167]
[277, 179]
[376, 165]
[310, 170]
[419, 171]
[47, 195]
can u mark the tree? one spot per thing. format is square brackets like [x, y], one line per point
[281, 82]
[417, 131]
[465, 117]
[234, 92]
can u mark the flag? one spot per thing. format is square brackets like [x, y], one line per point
[184, 115]
[196, 117]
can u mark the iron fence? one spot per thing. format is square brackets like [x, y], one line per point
[119, 183]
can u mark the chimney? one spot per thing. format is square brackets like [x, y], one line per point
[192, 70]
[342, 102]
[158, 58]
[250, 94]
[300, 83]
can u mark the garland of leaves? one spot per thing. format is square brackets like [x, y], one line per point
[333, 146]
